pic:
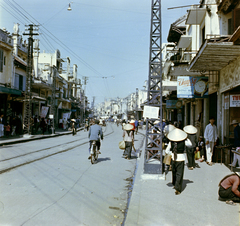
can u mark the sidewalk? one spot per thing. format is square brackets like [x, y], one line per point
[154, 203]
[26, 138]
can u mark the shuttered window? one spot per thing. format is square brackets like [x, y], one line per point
[236, 20]
[1, 60]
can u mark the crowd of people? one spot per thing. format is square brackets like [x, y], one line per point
[179, 140]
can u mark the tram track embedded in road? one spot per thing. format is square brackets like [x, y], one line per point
[77, 144]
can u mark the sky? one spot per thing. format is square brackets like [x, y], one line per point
[109, 40]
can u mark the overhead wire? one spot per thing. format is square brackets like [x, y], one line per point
[11, 13]
[63, 45]
[45, 35]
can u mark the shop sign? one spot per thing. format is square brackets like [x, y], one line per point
[192, 87]
[235, 100]
[44, 112]
[66, 116]
[150, 112]
[173, 104]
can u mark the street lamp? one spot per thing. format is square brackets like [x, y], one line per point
[69, 7]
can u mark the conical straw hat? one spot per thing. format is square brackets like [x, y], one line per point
[168, 129]
[73, 120]
[190, 129]
[177, 135]
[234, 122]
[128, 127]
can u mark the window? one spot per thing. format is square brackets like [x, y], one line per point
[203, 35]
[236, 20]
[20, 82]
[1, 60]
[230, 30]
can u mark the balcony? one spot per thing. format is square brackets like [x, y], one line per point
[195, 15]
[215, 54]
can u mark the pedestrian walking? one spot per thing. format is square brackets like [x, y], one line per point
[2, 125]
[229, 188]
[74, 131]
[128, 138]
[201, 147]
[132, 122]
[7, 129]
[136, 126]
[19, 125]
[43, 125]
[210, 135]
[178, 142]
[191, 131]
[236, 145]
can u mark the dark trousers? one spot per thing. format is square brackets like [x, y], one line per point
[227, 194]
[98, 144]
[191, 157]
[177, 174]
[128, 149]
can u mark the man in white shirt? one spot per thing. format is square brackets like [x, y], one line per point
[210, 136]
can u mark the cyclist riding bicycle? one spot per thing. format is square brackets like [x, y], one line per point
[95, 133]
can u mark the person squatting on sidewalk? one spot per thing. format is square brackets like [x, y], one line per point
[191, 131]
[229, 188]
[178, 141]
[210, 135]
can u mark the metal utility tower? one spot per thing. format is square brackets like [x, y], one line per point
[153, 148]
[28, 92]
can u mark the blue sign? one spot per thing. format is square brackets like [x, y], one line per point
[173, 104]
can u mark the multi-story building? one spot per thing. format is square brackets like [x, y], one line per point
[13, 54]
[54, 90]
[206, 66]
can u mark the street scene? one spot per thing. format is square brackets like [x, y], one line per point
[52, 182]
[120, 112]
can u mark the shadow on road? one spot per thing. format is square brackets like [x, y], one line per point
[103, 159]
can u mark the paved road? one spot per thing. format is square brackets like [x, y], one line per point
[64, 188]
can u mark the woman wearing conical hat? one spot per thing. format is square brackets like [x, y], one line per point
[128, 138]
[191, 131]
[178, 141]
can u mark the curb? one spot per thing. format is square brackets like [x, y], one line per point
[22, 139]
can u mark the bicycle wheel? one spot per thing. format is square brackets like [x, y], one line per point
[93, 154]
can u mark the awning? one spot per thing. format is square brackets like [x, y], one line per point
[39, 84]
[169, 85]
[19, 60]
[195, 15]
[214, 56]
[39, 98]
[10, 91]
[184, 41]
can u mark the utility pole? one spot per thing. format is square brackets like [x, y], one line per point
[93, 102]
[136, 104]
[29, 78]
[85, 78]
[53, 97]
[154, 97]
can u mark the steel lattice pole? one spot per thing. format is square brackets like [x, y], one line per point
[153, 148]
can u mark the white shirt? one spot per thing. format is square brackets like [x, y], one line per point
[180, 157]
[210, 133]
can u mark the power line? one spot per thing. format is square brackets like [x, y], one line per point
[55, 38]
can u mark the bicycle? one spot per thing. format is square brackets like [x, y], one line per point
[94, 152]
